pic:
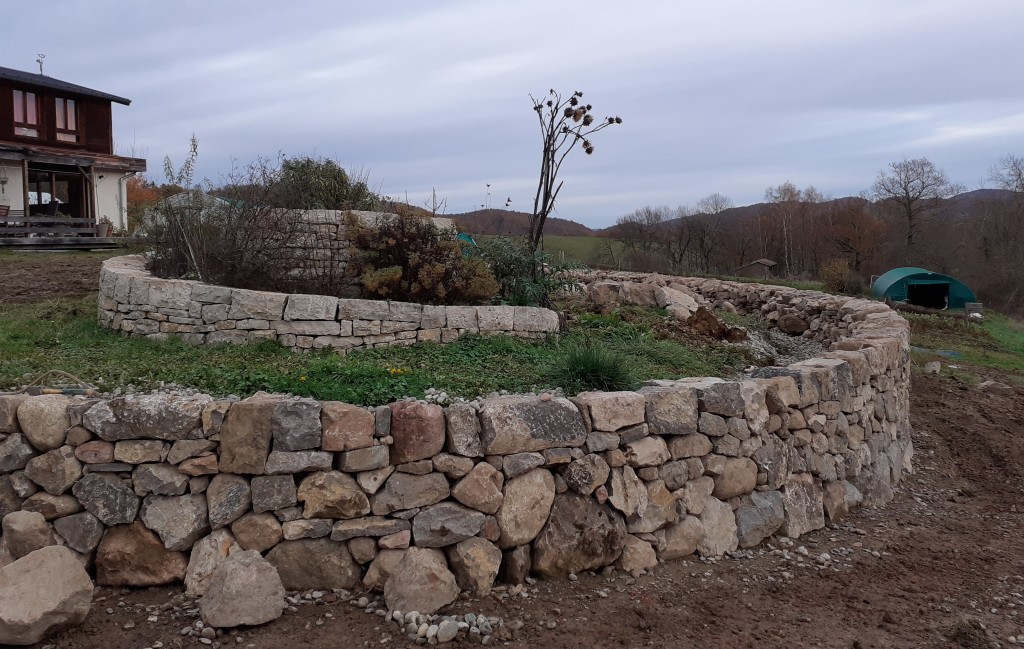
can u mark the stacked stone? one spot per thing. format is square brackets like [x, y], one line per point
[136, 303]
[163, 487]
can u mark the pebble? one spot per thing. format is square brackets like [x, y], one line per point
[205, 641]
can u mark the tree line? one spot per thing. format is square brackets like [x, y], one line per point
[911, 215]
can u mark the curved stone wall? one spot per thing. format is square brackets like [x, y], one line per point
[160, 488]
[132, 301]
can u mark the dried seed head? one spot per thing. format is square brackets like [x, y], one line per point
[588, 120]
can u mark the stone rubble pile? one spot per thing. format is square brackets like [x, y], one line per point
[276, 493]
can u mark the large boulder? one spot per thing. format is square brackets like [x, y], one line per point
[44, 420]
[719, 529]
[307, 564]
[529, 424]
[382, 566]
[42, 593]
[26, 532]
[580, 534]
[148, 416]
[244, 590]
[55, 471]
[802, 499]
[207, 554]
[637, 555]
[680, 539]
[132, 555]
[758, 517]
[421, 582]
[525, 508]
[475, 563]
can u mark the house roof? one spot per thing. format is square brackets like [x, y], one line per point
[763, 262]
[10, 74]
[55, 155]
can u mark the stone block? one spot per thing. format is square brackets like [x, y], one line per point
[611, 411]
[529, 424]
[258, 305]
[670, 410]
[346, 427]
[418, 430]
[311, 307]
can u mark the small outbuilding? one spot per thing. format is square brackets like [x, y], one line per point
[757, 268]
[923, 288]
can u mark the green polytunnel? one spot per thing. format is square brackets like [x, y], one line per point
[922, 287]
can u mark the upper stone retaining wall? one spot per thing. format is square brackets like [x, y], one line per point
[161, 488]
[131, 300]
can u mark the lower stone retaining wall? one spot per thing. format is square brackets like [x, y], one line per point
[132, 301]
[160, 488]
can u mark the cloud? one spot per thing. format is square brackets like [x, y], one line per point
[729, 96]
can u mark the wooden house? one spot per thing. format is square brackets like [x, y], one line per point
[59, 178]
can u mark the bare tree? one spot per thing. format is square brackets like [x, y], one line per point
[914, 189]
[706, 226]
[1008, 173]
[564, 123]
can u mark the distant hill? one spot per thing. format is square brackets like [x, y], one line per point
[507, 222]
[958, 207]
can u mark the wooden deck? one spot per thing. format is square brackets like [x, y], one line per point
[49, 232]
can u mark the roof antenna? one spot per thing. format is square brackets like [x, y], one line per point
[40, 62]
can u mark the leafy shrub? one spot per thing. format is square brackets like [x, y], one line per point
[409, 258]
[526, 278]
[584, 366]
[836, 275]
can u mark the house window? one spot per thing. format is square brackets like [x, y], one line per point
[67, 120]
[26, 114]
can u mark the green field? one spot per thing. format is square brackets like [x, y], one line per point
[62, 334]
[998, 343]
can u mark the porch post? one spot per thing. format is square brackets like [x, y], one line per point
[24, 185]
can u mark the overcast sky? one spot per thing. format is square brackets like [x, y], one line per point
[721, 96]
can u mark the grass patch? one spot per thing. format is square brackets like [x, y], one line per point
[997, 343]
[63, 334]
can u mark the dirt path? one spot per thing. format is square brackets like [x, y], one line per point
[941, 566]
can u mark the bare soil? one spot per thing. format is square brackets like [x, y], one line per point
[940, 566]
[36, 276]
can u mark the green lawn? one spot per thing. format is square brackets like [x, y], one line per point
[63, 335]
[997, 343]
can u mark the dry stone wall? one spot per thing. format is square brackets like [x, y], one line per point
[134, 302]
[158, 488]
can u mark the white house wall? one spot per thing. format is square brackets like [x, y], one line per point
[111, 197]
[12, 193]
